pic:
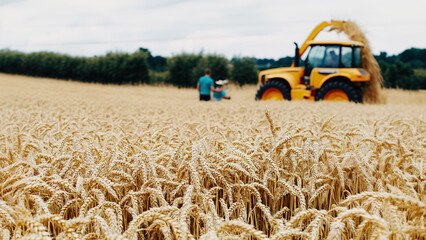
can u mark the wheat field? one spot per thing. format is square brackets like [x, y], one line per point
[87, 161]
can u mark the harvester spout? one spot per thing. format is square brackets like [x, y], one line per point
[318, 29]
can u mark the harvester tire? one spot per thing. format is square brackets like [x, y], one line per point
[336, 88]
[273, 90]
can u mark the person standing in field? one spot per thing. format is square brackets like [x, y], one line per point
[217, 96]
[205, 86]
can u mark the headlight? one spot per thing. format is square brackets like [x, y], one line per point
[363, 72]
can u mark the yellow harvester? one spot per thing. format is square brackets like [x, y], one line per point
[331, 70]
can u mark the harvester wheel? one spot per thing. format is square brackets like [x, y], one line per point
[338, 91]
[273, 90]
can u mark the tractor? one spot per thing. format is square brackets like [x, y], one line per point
[331, 70]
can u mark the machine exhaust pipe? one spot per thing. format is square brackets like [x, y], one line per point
[296, 56]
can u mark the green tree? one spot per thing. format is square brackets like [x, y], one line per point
[135, 68]
[399, 75]
[116, 68]
[403, 70]
[415, 57]
[420, 78]
[157, 63]
[217, 64]
[11, 61]
[181, 69]
[284, 62]
[244, 70]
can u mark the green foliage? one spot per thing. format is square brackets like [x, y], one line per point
[157, 78]
[115, 68]
[415, 57]
[398, 75]
[217, 64]
[244, 70]
[266, 63]
[420, 75]
[181, 67]
[157, 63]
[420, 72]
[185, 69]
[285, 62]
[399, 71]
[11, 61]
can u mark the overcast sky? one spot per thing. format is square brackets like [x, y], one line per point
[255, 28]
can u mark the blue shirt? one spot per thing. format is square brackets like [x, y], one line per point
[219, 95]
[205, 84]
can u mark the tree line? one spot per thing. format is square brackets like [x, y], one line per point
[114, 68]
[406, 70]
[140, 67]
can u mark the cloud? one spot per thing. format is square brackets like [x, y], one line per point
[239, 27]
[5, 2]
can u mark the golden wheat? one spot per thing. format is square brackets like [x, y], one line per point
[85, 161]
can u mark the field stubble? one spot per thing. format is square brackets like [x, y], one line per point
[122, 162]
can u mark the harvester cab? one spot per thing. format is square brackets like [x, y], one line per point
[330, 70]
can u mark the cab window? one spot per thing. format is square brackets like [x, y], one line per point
[357, 57]
[332, 56]
[331, 59]
[346, 57]
[323, 56]
[316, 56]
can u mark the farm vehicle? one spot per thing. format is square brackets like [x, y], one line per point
[331, 70]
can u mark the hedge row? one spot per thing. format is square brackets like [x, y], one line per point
[113, 68]
[182, 70]
[186, 69]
